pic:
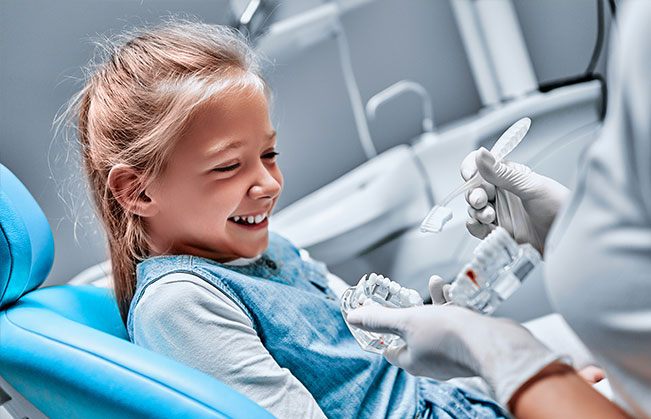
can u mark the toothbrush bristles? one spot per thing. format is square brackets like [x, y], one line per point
[436, 219]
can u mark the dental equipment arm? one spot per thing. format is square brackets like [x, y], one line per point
[512, 196]
[449, 341]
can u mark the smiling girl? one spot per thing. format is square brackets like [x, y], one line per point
[180, 154]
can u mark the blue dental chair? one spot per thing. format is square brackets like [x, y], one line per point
[65, 348]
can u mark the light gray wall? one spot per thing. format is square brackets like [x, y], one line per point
[44, 43]
[560, 35]
[388, 42]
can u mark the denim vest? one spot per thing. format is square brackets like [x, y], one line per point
[298, 320]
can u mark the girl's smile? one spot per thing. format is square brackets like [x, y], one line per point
[252, 221]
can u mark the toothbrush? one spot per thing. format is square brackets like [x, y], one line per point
[440, 214]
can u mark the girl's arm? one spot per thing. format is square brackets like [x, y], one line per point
[185, 318]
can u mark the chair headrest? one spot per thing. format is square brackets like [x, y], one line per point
[26, 242]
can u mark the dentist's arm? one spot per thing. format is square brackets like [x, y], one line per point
[447, 341]
[512, 196]
[559, 391]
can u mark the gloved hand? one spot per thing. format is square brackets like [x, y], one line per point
[439, 290]
[512, 196]
[448, 341]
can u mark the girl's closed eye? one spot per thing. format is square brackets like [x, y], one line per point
[229, 168]
[270, 155]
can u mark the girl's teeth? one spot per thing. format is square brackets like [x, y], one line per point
[250, 219]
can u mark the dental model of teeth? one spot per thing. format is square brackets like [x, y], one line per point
[376, 289]
[496, 271]
[250, 219]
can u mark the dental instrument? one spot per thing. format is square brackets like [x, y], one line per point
[376, 289]
[496, 271]
[440, 214]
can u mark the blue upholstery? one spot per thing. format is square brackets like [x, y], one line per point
[26, 243]
[65, 348]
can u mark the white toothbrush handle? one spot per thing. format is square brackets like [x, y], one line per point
[510, 139]
[503, 146]
[471, 183]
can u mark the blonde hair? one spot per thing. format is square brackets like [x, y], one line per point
[136, 103]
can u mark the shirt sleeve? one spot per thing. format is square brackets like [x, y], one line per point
[631, 98]
[187, 319]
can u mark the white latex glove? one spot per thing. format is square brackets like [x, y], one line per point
[438, 290]
[450, 341]
[512, 196]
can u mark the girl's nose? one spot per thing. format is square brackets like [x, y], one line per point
[266, 185]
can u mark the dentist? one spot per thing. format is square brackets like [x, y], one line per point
[597, 270]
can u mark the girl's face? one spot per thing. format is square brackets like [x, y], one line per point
[220, 184]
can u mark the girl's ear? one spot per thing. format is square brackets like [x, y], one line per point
[126, 186]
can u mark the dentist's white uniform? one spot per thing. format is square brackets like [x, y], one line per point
[598, 254]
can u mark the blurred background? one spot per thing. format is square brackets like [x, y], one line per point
[44, 45]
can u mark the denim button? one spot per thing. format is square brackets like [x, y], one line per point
[271, 264]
